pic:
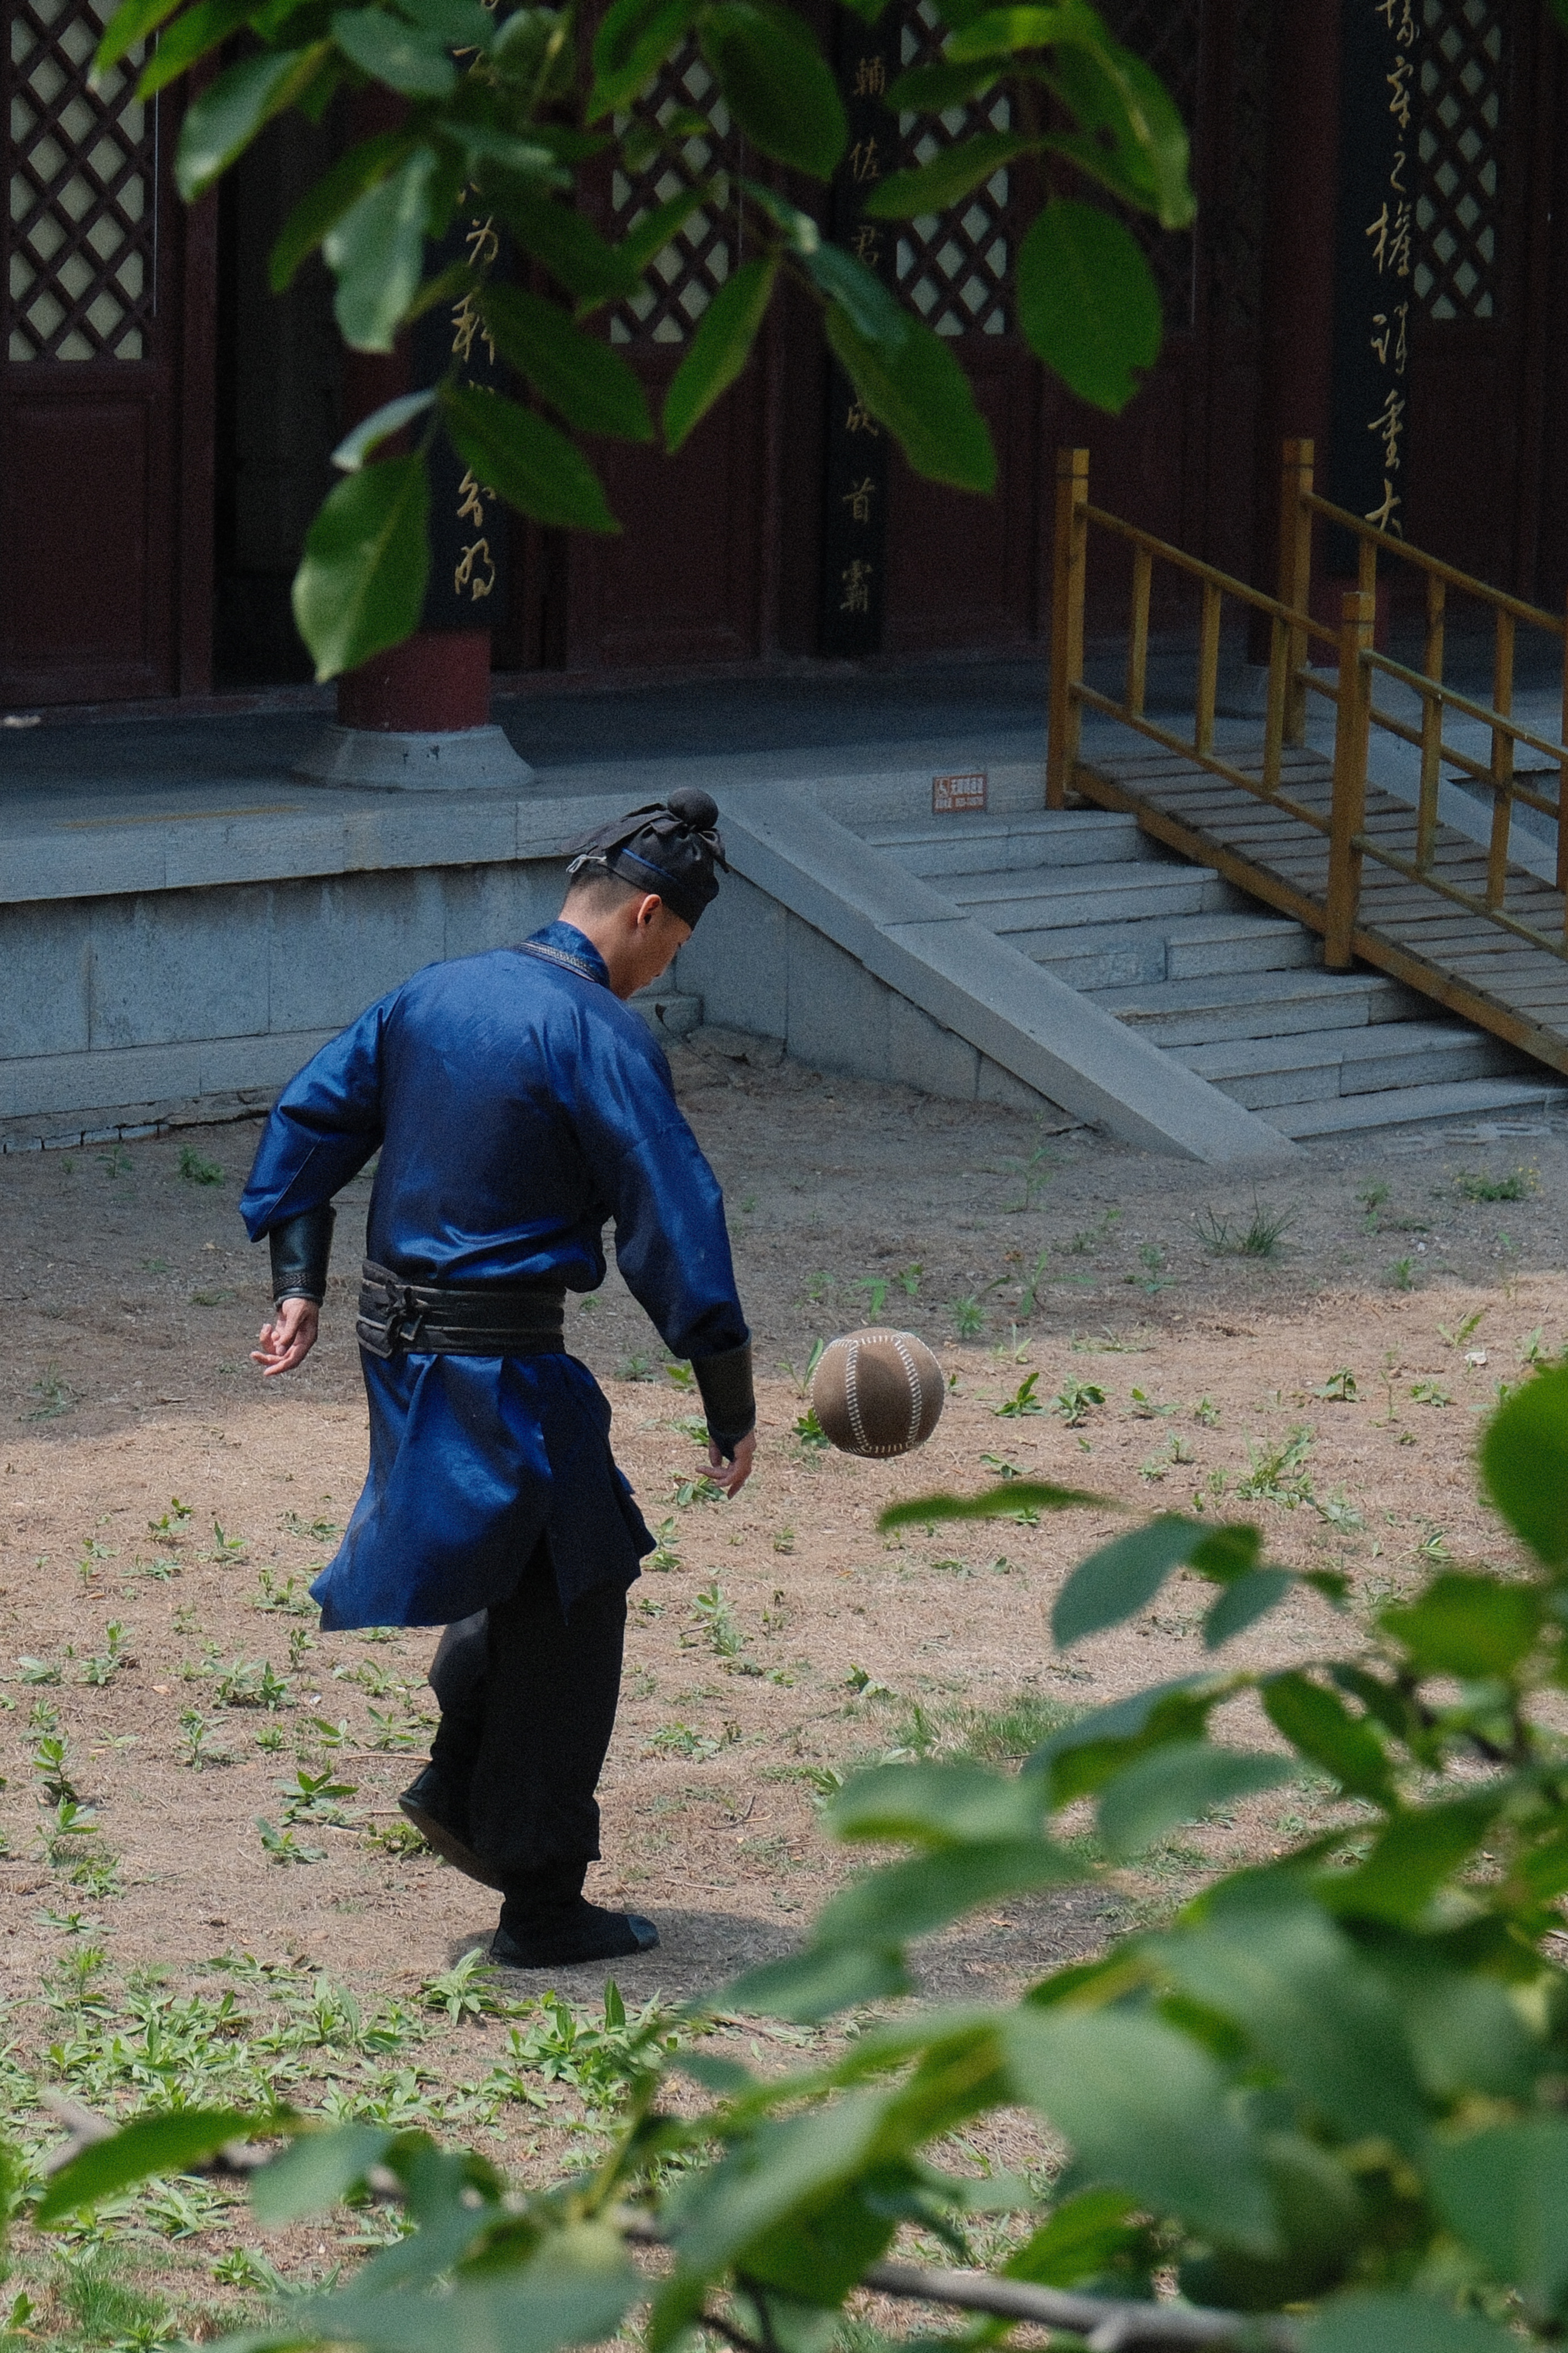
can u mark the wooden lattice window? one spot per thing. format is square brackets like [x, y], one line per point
[1463, 63]
[952, 268]
[686, 275]
[81, 240]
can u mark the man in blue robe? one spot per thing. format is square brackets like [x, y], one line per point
[517, 1103]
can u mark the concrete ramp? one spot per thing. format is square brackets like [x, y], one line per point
[829, 942]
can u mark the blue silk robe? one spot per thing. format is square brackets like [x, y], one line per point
[517, 1105]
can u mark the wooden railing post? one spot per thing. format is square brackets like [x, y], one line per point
[1296, 576]
[1066, 624]
[1358, 613]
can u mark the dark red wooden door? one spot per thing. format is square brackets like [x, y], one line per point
[90, 384]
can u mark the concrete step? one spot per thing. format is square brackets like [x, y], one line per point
[669, 1012]
[1258, 1004]
[1123, 893]
[1264, 1073]
[1393, 1106]
[1173, 947]
[964, 845]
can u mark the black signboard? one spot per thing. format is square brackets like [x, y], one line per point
[854, 525]
[469, 525]
[1369, 405]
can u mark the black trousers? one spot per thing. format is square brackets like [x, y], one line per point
[528, 1704]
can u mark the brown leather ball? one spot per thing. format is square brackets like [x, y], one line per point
[877, 1392]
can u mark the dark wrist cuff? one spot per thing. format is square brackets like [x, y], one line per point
[301, 1249]
[724, 1384]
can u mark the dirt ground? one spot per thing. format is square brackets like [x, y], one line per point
[161, 1513]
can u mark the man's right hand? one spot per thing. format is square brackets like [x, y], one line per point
[733, 1475]
[289, 1339]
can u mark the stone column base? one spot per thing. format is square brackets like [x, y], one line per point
[467, 759]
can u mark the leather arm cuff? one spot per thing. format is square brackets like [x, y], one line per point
[301, 1249]
[724, 1383]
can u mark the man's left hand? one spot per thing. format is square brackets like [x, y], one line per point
[734, 1475]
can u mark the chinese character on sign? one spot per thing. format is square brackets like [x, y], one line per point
[858, 499]
[1391, 240]
[466, 324]
[1384, 516]
[951, 796]
[857, 579]
[482, 242]
[867, 244]
[1399, 16]
[470, 508]
[870, 79]
[1399, 83]
[1388, 425]
[859, 420]
[476, 571]
[1392, 337]
[863, 163]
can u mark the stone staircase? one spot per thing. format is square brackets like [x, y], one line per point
[1236, 993]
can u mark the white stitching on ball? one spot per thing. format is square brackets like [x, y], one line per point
[917, 1393]
[852, 1396]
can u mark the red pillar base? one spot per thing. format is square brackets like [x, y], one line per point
[435, 682]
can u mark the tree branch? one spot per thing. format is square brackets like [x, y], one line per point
[1108, 2325]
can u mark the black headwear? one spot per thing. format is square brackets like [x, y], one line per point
[671, 847]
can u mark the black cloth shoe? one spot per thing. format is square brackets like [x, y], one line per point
[428, 1804]
[583, 1932]
[546, 1923]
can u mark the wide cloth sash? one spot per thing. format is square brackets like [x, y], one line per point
[492, 1319]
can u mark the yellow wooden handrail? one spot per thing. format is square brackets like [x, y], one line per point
[1293, 629]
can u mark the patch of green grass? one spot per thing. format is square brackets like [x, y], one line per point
[195, 1169]
[1262, 1237]
[1515, 1184]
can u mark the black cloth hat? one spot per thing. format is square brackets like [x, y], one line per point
[671, 847]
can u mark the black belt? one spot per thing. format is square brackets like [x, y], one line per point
[492, 1319]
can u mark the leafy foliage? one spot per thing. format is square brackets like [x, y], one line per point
[1329, 2087]
[500, 109]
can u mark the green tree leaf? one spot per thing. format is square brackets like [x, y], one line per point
[1082, 1756]
[391, 52]
[390, 417]
[1468, 1625]
[1122, 1577]
[170, 2143]
[1413, 1858]
[777, 84]
[1129, 136]
[1524, 1464]
[1002, 32]
[927, 89]
[222, 121]
[1177, 1785]
[1243, 1603]
[531, 2310]
[590, 385]
[1505, 2194]
[920, 393]
[634, 38]
[315, 2170]
[1319, 1724]
[1088, 303]
[194, 35]
[360, 584]
[818, 1983]
[935, 1805]
[1390, 2322]
[873, 310]
[363, 167]
[1003, 1503]
[1264, 1956]
[376, 251]
[948, 177]
[643, 244]
[1147, 2112]
[130, 23]
[572, 251]
[1084, 2236]
[719, 350]
[528, 461]
[910, 1899]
